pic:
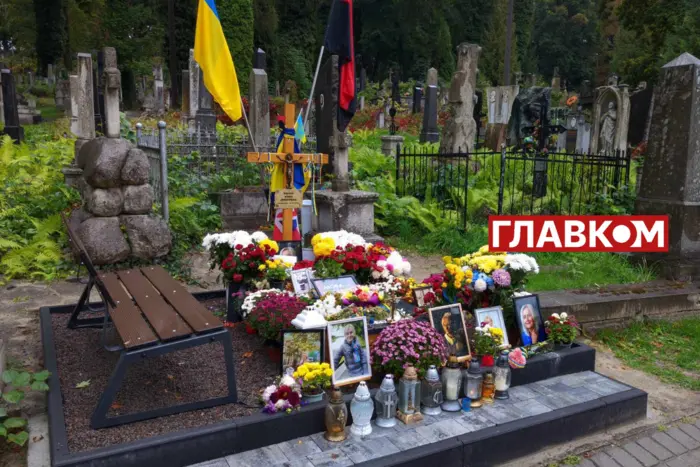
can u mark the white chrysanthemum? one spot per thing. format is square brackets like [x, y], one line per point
[287, 381]
[268, 392]
[556, 315]
[564, 316]
[480, 285]
[399, 266]
[258, 236]
[522, 262]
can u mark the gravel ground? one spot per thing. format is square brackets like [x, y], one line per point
[185, 376]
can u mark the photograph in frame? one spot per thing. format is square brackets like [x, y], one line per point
[301, 280]
[301, 346]
[448, 320]
[493, 316]
[419, 295]
[529, 319]
[348, 342]
[335, 284]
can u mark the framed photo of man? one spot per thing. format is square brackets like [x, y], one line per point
[419, 295]
[301, 280]
[529, 318]
[493, 317]
[301, 346]
[348, 342]
[448, 320]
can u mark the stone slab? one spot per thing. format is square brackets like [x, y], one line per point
[441, 430]
[656, 449]
[688, 459]
[409, 439]
[642, 455]
[38, 446]
[364, 450]
[683, 438]
[331, 458]
[214, 463]
[669, 443]
[268, 455]
[691, 430]
[603, 460]
[622, 457]
[300, 447]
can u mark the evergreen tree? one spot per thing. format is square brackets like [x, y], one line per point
[236, 18]
[491, 63]
[524, 18]
[51, 41]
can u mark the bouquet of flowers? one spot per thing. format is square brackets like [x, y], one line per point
[487, 340]
[275, 269]
[374, 313]
[281, 397]
[314, 377]
[408, 342]
[219, 245]
[362, 296]
[329, 241]
[243, 264]
[274, 312]
[561, 328]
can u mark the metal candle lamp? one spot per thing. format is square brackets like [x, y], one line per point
[386, 400]
[451, 385]
[361, 409]
[409, 397]
[336, 417]
[473, 383]
[431, 392]
[502, 376]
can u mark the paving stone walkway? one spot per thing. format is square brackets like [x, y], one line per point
[525, 401]
[679, 446]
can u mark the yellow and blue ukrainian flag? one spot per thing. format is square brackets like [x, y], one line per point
[214, 58]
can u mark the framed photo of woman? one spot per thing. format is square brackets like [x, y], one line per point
[493, 317]
[529, 318]
[348, 342]
[448, 320]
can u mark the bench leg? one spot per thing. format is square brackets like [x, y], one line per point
[99, 417]
[84, 302]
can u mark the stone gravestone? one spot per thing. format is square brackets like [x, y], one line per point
[492, 94]
[430, 132]
[640, 106]
[460, 130]
[98, 93]
[418, 99]
[62, 95]
[611, 113]
[326, 112]
[205, 120]
[259, 102]
[158, 90]
[11, 115]
[82, 122]
[527, 109]
[432, 77]
[51, 74]
[583, 137]
[670, 183]
[194, 89]
[112, 88]
[507, 97]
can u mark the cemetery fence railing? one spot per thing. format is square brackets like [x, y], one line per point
[470, 186]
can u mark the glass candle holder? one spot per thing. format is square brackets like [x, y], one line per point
[473, 382]
[501, 373]
[361, 409]
[336, 416]
[431, 392]
[451, 385]
[487, 389]
[386, 401]
[409, 397]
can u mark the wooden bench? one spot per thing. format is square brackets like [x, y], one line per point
[152, 315]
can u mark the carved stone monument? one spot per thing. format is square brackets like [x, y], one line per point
[611, 113]
[10, 112]
[460, 130]
[112, 89]
[670, 182]
[82, 121]
[259, 102]
[158, 90]
[194, 88]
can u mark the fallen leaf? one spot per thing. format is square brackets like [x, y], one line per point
[171, 377]
[178, 397]
[247, 354]
[83, 384]
[335, 456]
[116, 406]
[36, 439]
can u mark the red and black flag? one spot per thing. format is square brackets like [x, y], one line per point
[340, 41]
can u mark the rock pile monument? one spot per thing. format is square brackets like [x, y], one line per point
[460, 130]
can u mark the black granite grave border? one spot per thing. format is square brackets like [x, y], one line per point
[230, 437]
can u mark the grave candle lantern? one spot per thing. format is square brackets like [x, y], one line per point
[473, 380]
[488, 389]
[336, 417]
[502, 376]
[361, 409]
[451, 385]
[431, 391]
[385, 402]
[409, 397]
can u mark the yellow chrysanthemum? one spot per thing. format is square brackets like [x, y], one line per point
[271, 243]
[325, 366]
[444, 284]
[328, 372]
[261, 267]
[484, 249]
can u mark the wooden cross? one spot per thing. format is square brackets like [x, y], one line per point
[288, 158]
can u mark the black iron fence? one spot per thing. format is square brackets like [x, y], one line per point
[471, 186]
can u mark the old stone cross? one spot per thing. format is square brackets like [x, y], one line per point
[289, 198]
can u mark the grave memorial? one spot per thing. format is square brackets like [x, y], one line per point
[13, 128]
[460, 132]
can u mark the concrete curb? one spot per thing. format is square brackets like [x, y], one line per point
[38, 446]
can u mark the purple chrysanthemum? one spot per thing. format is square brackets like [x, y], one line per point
[501, 277]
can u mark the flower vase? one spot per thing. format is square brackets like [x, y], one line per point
[315, 397]
[234, 297]
[487, 360]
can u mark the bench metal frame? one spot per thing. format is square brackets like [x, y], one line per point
[99, 418]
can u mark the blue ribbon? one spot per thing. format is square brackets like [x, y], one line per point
[298, 168]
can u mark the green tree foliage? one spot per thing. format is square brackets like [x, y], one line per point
[236, 18]
[524, 18]
[491, 63]
[52, 38]
[653, 33]
[566, 37]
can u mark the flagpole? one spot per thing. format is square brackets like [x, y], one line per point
[313, 87]
[247, 125]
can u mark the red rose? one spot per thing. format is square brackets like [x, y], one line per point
[293, 398]
[239, 247]
[237, 278]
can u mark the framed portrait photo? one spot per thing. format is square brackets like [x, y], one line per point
[529, 319]
[334, 284]
[419, 295]
[301, 346]
[492, 316]
[348, 342]
[448, 320]
[289, 250]
[301, 279]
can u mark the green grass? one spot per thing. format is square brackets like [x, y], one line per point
[48, 109]
[668, 350]
[582, 270]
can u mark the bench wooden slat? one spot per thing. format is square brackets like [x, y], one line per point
[192, 311]
[166, 322]
[130, 324]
